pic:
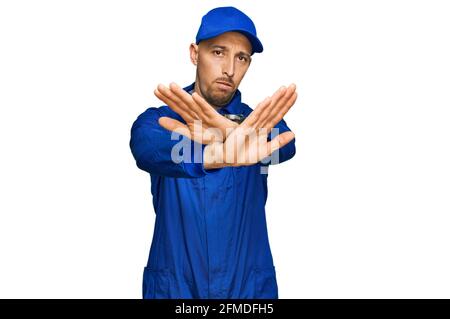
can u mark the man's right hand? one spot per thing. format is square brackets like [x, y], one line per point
[203, 123]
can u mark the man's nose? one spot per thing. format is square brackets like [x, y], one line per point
[228, 68]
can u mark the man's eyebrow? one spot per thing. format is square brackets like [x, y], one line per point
[225, 48]
[244, 53]
[217, 46]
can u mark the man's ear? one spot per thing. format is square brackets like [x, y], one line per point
[193, 50]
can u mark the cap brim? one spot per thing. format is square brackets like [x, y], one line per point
[257, 46]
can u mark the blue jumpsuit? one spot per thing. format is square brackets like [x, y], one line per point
[210, 238]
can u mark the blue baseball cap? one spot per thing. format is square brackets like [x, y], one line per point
[226, 19]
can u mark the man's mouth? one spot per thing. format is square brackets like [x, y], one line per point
[224, 85]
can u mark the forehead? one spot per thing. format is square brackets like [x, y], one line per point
[230, 40]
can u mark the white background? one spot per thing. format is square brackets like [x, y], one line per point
[361, 211]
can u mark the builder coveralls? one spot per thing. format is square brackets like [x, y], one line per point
[210, 237]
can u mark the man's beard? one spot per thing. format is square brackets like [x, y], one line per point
[217, 98]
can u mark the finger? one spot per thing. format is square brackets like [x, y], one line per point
[262, 108]
[185, 97]
[274, 101]
[212, 118]
[256, 113]
[278, 142]
[204, 106]
[178, 105]
[281, 105]
[172, 104]
[282, 112]
[167, 101]
[174, 126]
[275, 106]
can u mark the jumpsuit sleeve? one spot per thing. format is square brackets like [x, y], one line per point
[151, 146]
[286, 152]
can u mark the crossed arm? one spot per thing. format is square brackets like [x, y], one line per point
[228, 143]
[218, 141]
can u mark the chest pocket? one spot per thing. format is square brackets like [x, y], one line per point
[224, 184]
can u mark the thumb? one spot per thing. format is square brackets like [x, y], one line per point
[279, 141]
[174, 126]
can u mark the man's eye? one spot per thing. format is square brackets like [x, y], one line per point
[243, 58]
[217, 52]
